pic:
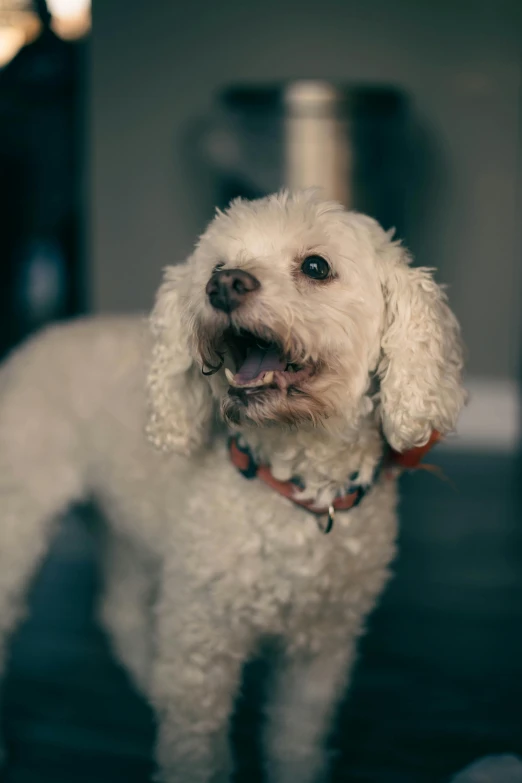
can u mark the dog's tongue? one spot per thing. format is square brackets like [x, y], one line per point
[258, 361]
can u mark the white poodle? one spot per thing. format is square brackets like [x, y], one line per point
[304, 326]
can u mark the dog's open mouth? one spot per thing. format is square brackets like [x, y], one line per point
[261, 365]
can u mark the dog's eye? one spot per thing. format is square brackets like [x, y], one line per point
[315, 267]
[218, 267]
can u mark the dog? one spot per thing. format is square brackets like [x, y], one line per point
[257, 409]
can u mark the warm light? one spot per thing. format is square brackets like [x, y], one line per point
[19, 25]
[70, 19]
[11, 41]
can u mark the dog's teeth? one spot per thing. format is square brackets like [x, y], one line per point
[230, 377]
[266, 379]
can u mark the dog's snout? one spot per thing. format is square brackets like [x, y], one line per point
[228, 288]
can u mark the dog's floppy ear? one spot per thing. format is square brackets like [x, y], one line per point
[180, 404]
[421, 353]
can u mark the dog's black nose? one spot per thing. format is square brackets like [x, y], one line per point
[228, 288]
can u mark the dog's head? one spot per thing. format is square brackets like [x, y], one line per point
[296, 310]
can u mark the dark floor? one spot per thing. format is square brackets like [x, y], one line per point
[439, 681]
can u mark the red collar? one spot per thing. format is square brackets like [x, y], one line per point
[411, 459]
[243, 460]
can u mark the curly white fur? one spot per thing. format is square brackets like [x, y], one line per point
[201, 564]
[173, 377]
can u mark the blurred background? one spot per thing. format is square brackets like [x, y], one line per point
[117, 140]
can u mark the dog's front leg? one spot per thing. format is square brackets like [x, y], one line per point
[196, 675]
[306, 690]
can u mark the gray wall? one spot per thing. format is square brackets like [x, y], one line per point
[156, 65]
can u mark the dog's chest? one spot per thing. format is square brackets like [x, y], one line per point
[269, 563]
[259, 557]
